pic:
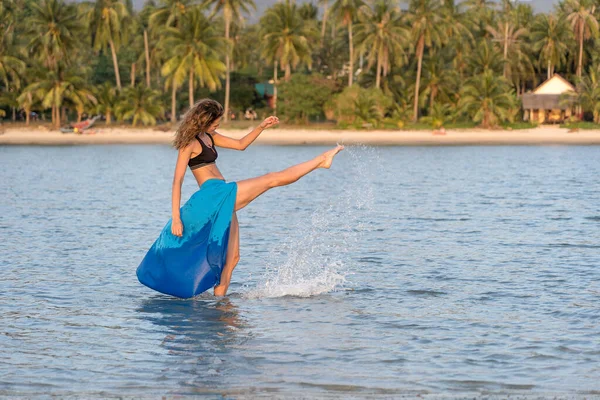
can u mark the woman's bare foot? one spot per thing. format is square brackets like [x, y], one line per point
[328, 156]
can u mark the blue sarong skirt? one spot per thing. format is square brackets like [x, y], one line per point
[191, 264]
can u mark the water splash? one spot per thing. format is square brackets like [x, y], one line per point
[315, 258]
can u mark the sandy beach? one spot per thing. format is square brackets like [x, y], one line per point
[542, 135]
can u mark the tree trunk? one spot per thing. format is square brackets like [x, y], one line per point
[133, 75]
[420, 50]
[115, 63]
[27, 112]
[275, 88]
[79, 113]
[351, 72]
[227, 15]
[191, 88]
[288, 72]
[173, 103]
[324, 23]
[506, 50]
[549, 69]
[108, 117]
[579, 66]
[14, 114]
[54, 124]
[147, 51]
[378, 73]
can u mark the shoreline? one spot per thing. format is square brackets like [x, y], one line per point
[545, 135]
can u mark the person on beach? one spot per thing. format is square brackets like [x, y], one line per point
[199, 246]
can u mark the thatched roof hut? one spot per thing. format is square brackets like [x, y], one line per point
[545, 103]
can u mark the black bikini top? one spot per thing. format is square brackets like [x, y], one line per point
[207, 157]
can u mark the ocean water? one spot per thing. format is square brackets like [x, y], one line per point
[443, 272]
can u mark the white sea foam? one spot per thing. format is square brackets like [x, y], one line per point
[315, 259]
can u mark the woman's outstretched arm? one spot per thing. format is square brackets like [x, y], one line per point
[243, 143]
[182, 160]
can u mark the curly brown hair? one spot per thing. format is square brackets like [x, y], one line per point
[197, 120]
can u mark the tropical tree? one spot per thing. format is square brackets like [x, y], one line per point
[479, 15]
[8, 12]
[11, 69]
[287, 38]
[427, 30]
[325, 4]
[381, 34]
[54, 31]
[485, 57]
[170, 12]
[439, 114]
[143, 23]
[106, 19]
[439, 81]
[195, 52]
[26, 103]
[55, 87]
[231, 10]
[550, 36]
[488, 99]
[108, 101]
[588, 92]
[346, 11]
[580, 15]
[140, 104]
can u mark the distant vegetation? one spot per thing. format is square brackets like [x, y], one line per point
[359, 63]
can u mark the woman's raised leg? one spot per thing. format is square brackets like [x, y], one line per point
[232, 258]
[250, 189]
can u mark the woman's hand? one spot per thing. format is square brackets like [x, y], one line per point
[269, 122]
[177, 227]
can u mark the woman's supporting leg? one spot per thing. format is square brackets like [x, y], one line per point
[250, 189]
[232, 258]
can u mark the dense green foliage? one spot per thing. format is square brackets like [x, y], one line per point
[362, 63]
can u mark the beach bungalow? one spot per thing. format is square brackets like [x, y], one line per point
[544, 104]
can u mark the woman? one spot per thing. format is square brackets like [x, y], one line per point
[199, 247]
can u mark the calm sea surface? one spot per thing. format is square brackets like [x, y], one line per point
[446, 271]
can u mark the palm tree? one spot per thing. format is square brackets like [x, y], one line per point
[141, 105]
[510, 37]
[105, 19]
[195, 51]
[588, 92]
[143, 19]
[425, 20]
[107, 101]
[381, 34]
[308, 12]
[231, 11]
[440, 81]
[26, 102]
[487, 99]
[11, 69]
[8, 12]
[479, 15]
[171, 12]
[486, 57]
[454, 20]
[580, 14]
[57, 86]
[53, 29]
[346, 11]
[325, 4]
[550, 36]
[287, 38]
